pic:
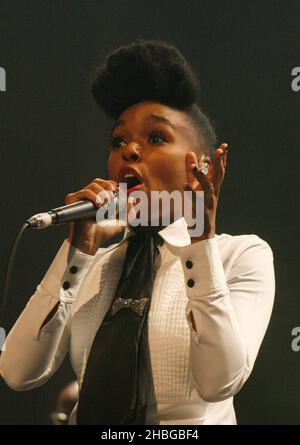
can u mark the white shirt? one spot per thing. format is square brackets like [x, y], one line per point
[226, 282]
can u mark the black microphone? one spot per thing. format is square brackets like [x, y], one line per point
[71, 212]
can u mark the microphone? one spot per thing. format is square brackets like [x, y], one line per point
[71, 212]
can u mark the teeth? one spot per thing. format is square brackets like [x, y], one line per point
[129, 176]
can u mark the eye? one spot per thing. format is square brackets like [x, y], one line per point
[157, 135]
[114, 141]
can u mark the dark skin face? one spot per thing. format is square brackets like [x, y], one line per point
[160, 158]
[165, 157]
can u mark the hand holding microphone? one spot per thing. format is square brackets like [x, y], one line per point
[80, 211]
[85, 234]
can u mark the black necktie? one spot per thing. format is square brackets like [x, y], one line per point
[118, 381]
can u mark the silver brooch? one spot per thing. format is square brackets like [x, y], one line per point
[137, 305]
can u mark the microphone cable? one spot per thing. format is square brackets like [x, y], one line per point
[8, 273]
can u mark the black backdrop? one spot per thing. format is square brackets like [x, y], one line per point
[53, 140]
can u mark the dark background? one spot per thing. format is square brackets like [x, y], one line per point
[53, 140]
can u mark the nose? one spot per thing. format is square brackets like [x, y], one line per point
[131, 152]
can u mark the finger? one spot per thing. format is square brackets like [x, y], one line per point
[108, 184]
[83, 194]
[70, 198]
[103, 195]
[222, 148]
[94, 187]
[219, 163]
[225, 157]
[221, 152]
[218, 166]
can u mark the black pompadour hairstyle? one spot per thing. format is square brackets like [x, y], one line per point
[151, 70]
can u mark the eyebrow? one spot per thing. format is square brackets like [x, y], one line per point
[151, 118]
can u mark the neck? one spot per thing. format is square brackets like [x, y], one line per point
[146, 230]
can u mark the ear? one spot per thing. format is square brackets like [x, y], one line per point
[205, 158]
[190, 159]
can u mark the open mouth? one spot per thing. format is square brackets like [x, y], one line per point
[132, 181]
[131, 177]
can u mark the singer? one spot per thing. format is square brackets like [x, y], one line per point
[162, 327]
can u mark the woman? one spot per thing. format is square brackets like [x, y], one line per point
[211, 296]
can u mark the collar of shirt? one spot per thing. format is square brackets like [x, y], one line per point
[175, 234]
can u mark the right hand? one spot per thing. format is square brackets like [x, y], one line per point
[87, 235]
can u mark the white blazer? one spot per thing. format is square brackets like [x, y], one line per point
[226, 282]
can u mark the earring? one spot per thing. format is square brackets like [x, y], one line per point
[203, 165]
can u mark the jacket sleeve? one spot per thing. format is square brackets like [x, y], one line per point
[39, 340]
[227, 316]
